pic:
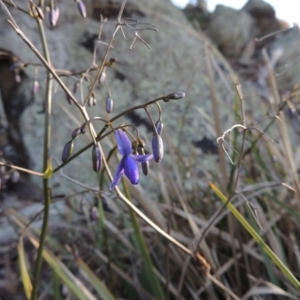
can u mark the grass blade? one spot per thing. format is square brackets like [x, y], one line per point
[99, 286]
[23, 268]
[257, 238]
[141, 244]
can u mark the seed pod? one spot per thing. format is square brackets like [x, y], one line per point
[174, 96]
[81, 8]
[102, 77]
[35, 87]
[159, 126]
[53, 16]
[96, 158]
[111, 61]
[157, 148]
[36, 11]
[68, 149]
[109, 105]
[76, 132]
[40, 13]
[145, 165]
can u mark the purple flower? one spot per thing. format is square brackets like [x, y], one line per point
[129, 162]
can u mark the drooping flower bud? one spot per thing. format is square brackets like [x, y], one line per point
[157, 148]
[96, 158]
[69, 99]
[81, 8]
[159, 126]
[94, 214]
[53, 16]
[92, 101]
[15, 176]
[68, 149]
[18, 78]
[2, 168]
[102, 77]
[83, 128]
[109, 105]
[76, 132]
[35, 87]
[75, 88]
[174, 96]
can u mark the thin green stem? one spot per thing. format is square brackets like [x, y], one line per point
[46, 189]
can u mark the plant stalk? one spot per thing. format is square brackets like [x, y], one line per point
[46, 163]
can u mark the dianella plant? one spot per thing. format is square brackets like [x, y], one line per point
[130, 148]
[120, 166]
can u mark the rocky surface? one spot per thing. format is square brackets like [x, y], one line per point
[240, 28]
[176, 61]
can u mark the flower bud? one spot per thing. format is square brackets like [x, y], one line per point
[159, 126]
[76, 132]
[35, 87]
[18, 78]
[174, 96]
[92, 101]
[157, 148]
[75, 88]
[109, 105]
[68, 149]
[81, 8]
[15, 176]
[96, 158]
[94, 214]
[83, 128]
[2, 169]
[102, 77]
[69, 99]
[53, 16]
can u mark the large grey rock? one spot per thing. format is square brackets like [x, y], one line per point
[258, 8]
[230, 30]
[264, 17]
[176, 61]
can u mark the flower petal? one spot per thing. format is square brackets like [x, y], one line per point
[142, 158]
[124, 144]
[131, 169]
[119, 174]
